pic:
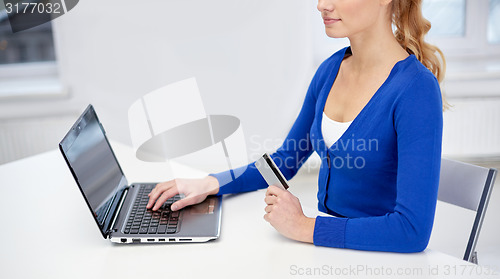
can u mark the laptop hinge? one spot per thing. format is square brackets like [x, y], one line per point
[117, 212]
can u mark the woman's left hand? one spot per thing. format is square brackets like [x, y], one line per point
[284, 213]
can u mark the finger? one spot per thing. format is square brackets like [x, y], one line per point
[157, 191]
[268, 209]
[164, 197]
[266, 217]
[154, 189]
[180, 204]
[158, 186]
[274, 191]
[270, 200]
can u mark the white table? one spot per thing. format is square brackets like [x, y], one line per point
[48, 232]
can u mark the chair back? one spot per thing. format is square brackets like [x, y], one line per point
[468, 186]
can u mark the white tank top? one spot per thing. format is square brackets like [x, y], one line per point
[332, 130]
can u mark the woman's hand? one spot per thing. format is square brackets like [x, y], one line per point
[194, 190]
[284, 213]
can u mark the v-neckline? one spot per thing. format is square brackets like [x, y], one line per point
[362, 113]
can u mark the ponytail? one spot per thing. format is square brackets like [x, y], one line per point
[411, 28]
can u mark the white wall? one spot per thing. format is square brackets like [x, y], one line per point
[252, 58]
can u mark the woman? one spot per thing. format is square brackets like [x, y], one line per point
[373, 112]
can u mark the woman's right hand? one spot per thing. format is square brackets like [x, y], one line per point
[194, 190]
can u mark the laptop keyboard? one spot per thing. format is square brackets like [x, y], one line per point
[146, 221]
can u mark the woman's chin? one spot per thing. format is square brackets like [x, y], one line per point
[336, 36]
[334, 33]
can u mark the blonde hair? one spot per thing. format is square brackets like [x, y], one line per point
[411, 28]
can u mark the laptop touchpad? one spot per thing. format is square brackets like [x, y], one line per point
[206, 207]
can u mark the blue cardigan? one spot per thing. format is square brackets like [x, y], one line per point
[381, 177]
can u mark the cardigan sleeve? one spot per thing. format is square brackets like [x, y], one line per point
[418, 125]
[289, 157]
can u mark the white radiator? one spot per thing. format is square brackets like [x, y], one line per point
[472, 128]
[24, 137]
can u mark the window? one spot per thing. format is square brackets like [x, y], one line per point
[447, 17]
[32, 45]
[464, 27]
[27, 61]
[494, 22]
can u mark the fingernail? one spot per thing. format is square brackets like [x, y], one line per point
[173, 207]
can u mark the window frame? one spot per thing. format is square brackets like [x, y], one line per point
[29, 79]
[474, 43]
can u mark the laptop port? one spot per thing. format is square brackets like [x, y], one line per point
[185, 239]
[171, 239]
[151, 240]
[136, 240]
[124, 240]
[161, 239]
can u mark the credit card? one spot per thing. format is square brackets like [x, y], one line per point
[270, 172]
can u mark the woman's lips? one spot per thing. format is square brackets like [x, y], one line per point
[328, 21]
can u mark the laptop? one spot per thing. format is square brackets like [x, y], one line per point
[119, 208]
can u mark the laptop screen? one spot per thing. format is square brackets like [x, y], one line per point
[93, 163]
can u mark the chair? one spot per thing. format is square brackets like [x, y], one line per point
[468, 186]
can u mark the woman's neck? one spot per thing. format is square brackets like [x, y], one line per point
[374, 49]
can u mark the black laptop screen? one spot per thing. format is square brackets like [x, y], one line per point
[93, 163]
